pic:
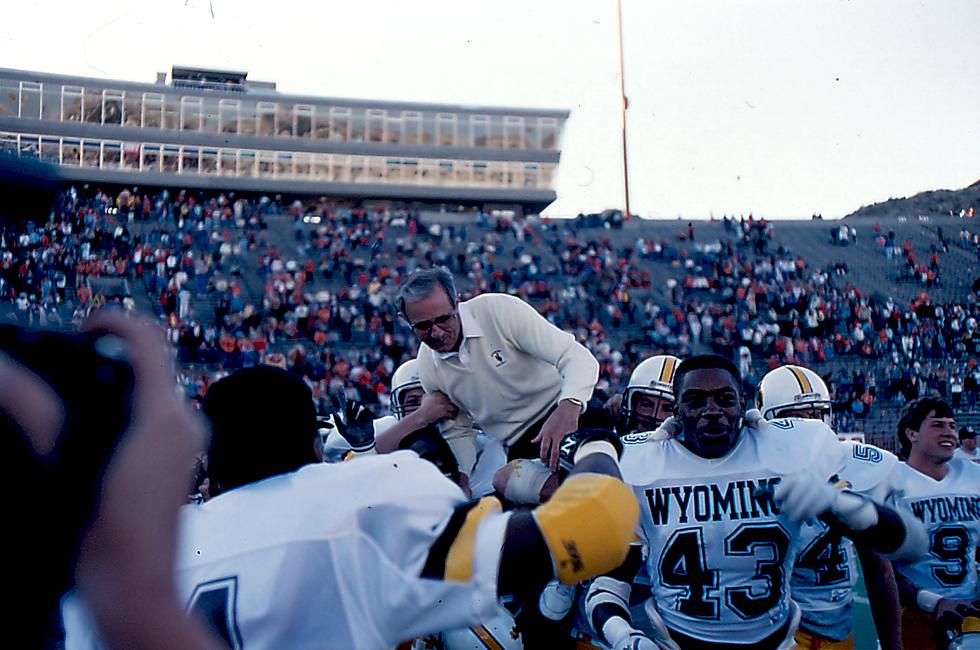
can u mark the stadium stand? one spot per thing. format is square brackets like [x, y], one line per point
[883, 307]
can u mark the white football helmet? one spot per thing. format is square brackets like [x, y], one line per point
[653, 377]
[498, 632]
[406, 377]
[789, 388]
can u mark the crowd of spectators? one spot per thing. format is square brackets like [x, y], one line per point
[729, 295]
[316, 298]
[776, 309]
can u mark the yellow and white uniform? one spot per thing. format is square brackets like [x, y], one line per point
[330, 556]
[720, 552]
[825, 572]
[950, 510]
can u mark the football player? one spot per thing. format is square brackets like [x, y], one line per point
[794, 392]
[939, 589]
[406, 390]
[825, 572]
[641, 408]
[367, 553]
[648, 399]
[721, 508]
[646, 402]
[406, 398]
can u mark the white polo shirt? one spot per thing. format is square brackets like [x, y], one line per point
[511, 368]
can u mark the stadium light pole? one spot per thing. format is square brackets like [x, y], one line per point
[623, 105]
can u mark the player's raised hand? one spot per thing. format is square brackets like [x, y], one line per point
[130, 546]
[355, 423]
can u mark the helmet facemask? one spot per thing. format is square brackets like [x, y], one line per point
[404, 401]
[645, 409]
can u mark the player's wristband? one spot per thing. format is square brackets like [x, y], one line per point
[527, 477]
[353, 453]
[596, 447]
[365, 447]
[927, 601]
[616, 628]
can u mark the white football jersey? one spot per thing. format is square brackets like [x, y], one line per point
[825, 571]
[950, 510]
[720, 552]
[823, 580]
[330, 556]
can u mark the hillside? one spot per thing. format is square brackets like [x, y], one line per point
[934, 202]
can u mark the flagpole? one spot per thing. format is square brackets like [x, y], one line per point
[623, 105]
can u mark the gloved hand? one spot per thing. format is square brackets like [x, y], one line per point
[356, 424]
[556, 600]
[804, 495]
[623, 636]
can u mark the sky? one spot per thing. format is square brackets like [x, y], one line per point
[781, 108]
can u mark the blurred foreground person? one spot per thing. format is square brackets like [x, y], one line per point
[102, 513]
[373, 551]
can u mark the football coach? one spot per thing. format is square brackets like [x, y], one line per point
[509, 371]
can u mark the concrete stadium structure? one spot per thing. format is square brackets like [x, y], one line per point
[201, 128]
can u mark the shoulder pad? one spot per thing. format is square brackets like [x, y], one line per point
[866, 466]
[635, 438]
[643, 462]
[789, 444]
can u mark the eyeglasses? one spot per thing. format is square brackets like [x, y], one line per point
[425, 326]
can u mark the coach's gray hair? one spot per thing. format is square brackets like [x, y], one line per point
[421, 283]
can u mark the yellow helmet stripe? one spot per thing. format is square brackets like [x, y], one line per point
[805, 385]
[667, 372]
[484, 635]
